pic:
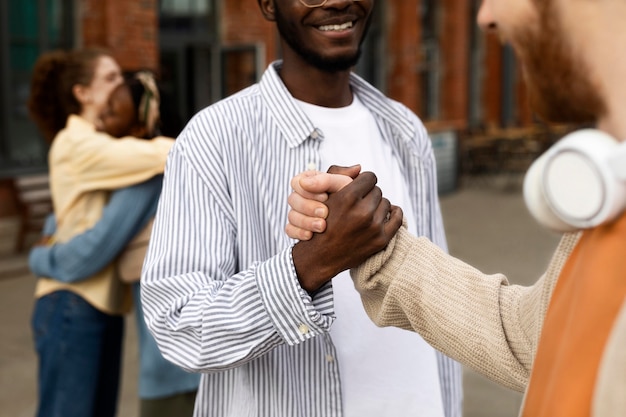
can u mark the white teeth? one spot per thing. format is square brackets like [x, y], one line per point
[328, 28]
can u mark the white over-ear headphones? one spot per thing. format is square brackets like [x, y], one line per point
[578, 183]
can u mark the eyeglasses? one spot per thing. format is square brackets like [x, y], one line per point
[316, 3]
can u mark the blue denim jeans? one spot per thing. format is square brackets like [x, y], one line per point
[79, 350]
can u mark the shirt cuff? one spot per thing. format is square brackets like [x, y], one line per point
[291, 309]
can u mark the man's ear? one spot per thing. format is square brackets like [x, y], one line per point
[268, 10]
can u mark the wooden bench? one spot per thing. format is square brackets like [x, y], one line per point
[34, 201]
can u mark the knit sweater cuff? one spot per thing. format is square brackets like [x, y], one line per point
[374, 277]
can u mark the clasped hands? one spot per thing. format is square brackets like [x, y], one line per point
[341, 218]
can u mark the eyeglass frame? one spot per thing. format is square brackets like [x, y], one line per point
[323, 2]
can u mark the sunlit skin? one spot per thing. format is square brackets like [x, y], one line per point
[591, 34]
[557, 78]
[571, 66]
[313, 57]
[94, 97]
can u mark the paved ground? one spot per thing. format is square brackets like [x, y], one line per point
[487, 226]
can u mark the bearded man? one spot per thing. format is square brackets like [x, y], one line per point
[227, 294]
[561, 341]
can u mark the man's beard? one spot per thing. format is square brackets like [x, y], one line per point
[560, 87]
[326, 64]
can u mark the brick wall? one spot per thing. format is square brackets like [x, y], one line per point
[525, 114]
[492, 87]
[404, 56]
[455, 46]
[128, 28]
[403, 35]
[243, 23]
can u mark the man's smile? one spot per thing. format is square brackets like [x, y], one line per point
[336, 28]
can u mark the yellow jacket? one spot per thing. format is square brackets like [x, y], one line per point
[84, 166]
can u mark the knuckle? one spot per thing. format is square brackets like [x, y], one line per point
[370, 176]
[304, 235]
[364, 217]
[290, 231]
[381, 240]
[295, 181]
[291, 199]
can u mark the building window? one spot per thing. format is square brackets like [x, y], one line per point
[185, 7]
[242, 66]
[476, 68]
[430, 63]
[190, 53]
[27, 28]
[186, 16]
[509, 87]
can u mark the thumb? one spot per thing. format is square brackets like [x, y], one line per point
[351, 171]
[324, 183]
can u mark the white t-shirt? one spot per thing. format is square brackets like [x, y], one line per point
[396, 374]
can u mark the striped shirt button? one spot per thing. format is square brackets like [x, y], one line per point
[303, 329]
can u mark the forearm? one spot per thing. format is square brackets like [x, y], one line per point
[86, 254]
[453, 306]
[197, 317]
[202, 291]
[109, 163]
[65, 264]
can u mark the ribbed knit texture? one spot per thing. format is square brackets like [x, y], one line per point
[480, 320]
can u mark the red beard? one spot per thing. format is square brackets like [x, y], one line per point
[560, 87]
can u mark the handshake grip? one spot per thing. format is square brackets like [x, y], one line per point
[360, 223]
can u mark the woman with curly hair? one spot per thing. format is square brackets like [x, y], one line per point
[134, 108]
[78, 326]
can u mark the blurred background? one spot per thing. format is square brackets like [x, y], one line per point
[428, 54]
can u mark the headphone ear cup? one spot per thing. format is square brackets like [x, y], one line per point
[572, 186]
[536, 201]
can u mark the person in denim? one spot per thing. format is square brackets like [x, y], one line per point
[164, 389]
[78, 326]
[56, 313]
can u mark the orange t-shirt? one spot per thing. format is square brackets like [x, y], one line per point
[583, 308]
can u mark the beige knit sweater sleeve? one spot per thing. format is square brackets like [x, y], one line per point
[478, 319]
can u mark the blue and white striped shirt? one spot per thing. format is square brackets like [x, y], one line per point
[220, 291]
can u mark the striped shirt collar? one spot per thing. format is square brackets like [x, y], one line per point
[296, 126]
